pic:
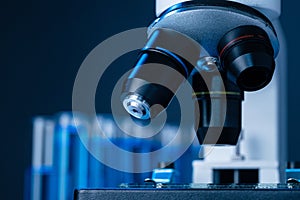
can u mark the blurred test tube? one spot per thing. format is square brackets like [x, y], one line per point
[40, 184]
[70, 157]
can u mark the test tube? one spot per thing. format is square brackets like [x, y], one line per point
[70, 158]
[40, 175]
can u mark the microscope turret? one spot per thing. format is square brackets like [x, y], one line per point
[226, 47]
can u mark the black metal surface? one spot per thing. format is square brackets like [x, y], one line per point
[190, 194]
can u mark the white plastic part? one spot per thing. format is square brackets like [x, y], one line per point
[267, 170]
[162, 5]
[271, 8]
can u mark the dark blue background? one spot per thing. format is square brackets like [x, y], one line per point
[43, 44]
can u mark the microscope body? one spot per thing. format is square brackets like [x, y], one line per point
[260, 152]
[236, 85]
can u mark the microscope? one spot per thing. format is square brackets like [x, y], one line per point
[230, 52]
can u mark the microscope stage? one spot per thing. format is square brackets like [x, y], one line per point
[193, 192]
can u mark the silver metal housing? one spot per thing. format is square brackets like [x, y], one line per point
[136, 106]
[206, 24]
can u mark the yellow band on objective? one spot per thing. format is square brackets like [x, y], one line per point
[215, 92]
